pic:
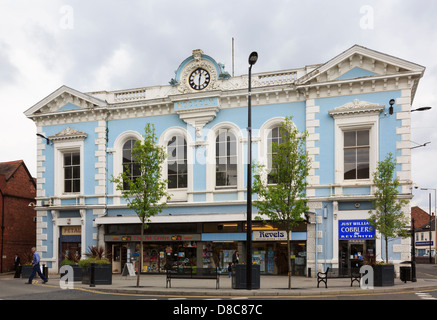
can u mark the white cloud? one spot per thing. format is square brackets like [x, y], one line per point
[104, 45]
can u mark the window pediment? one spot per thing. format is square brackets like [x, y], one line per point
[69, 134]
[356, 107]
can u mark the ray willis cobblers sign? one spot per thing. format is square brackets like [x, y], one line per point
[355, 229]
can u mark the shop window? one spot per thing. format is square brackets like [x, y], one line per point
[356, 155]
[226, 159]
[129, 165]
[71, 172]
[177, 163]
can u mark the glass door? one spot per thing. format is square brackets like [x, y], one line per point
[356, 254]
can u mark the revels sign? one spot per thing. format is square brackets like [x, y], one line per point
[270, 236]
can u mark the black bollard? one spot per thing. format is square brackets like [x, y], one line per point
[45, 271]
[92, 275]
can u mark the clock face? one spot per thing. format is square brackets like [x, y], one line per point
[199, 79]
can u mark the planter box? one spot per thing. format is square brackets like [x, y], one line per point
[77, 272]
[26, 270]
[383, 275]
[102, 274]
[239, 276]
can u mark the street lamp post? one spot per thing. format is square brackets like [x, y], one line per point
[413, 253]
[252, 60]
[435, 223]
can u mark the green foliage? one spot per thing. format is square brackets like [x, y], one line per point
[145, 192]
[67, 262]
[87, 262]
[95, 255]
[388, 217]
[285, 201]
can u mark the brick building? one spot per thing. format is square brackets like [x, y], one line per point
[17, 214]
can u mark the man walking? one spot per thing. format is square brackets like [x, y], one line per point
[36, 268]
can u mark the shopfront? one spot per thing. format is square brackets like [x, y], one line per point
[270, 252]
[159, 251]
[70, 243]
[212, 246]
[356, 243]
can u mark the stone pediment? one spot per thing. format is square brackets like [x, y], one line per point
[357, 63]
[65, 100]
[69, 134]
[356, 107]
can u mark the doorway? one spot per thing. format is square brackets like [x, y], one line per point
[119, 257]
[353, 253]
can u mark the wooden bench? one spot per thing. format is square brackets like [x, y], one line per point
[190, 273]
[353, 274]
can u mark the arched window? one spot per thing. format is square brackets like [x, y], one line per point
[177, 162]
[274, 138]
[226, 159]
[129, 166]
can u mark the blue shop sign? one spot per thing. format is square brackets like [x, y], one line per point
[355, 229]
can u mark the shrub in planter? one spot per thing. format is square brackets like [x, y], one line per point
[102, 271]
[77, 270]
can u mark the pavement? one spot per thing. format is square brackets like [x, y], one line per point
[270, 286]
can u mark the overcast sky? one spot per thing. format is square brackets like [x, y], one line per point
[109, 45]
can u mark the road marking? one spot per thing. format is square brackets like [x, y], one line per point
[425, 296]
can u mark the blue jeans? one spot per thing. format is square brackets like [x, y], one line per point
[37, 269]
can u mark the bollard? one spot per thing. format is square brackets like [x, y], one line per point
[309, 272]
[92, 275]
[45, 271]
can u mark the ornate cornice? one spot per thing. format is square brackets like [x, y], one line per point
[356, 107]
[69, 134]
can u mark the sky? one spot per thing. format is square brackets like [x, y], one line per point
[111, 45]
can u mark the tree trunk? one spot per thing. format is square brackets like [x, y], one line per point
[386, 249]
[288, 259]
[141, 254]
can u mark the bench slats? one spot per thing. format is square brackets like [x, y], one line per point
[333, 273]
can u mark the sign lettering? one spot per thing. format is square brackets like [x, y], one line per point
[355, 229]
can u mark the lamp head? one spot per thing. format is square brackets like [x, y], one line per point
[391, 102]
[253, 58]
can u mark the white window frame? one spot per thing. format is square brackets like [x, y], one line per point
[356, 123]
[117, 152]
[60, 148]
[180, 194]
[211, 157]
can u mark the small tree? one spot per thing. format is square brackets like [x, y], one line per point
[144, 191]
[281, 188]
[388, 217]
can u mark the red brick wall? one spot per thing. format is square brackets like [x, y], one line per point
[420, 216]
[20, 228]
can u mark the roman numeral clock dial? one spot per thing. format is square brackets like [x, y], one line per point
[199, 79]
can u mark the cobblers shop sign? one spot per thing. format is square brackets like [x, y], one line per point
[355, 229]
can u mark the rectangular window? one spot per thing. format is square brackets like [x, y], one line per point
[356, 155]
[71, 172]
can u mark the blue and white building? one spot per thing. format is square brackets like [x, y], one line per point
[201, 117]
